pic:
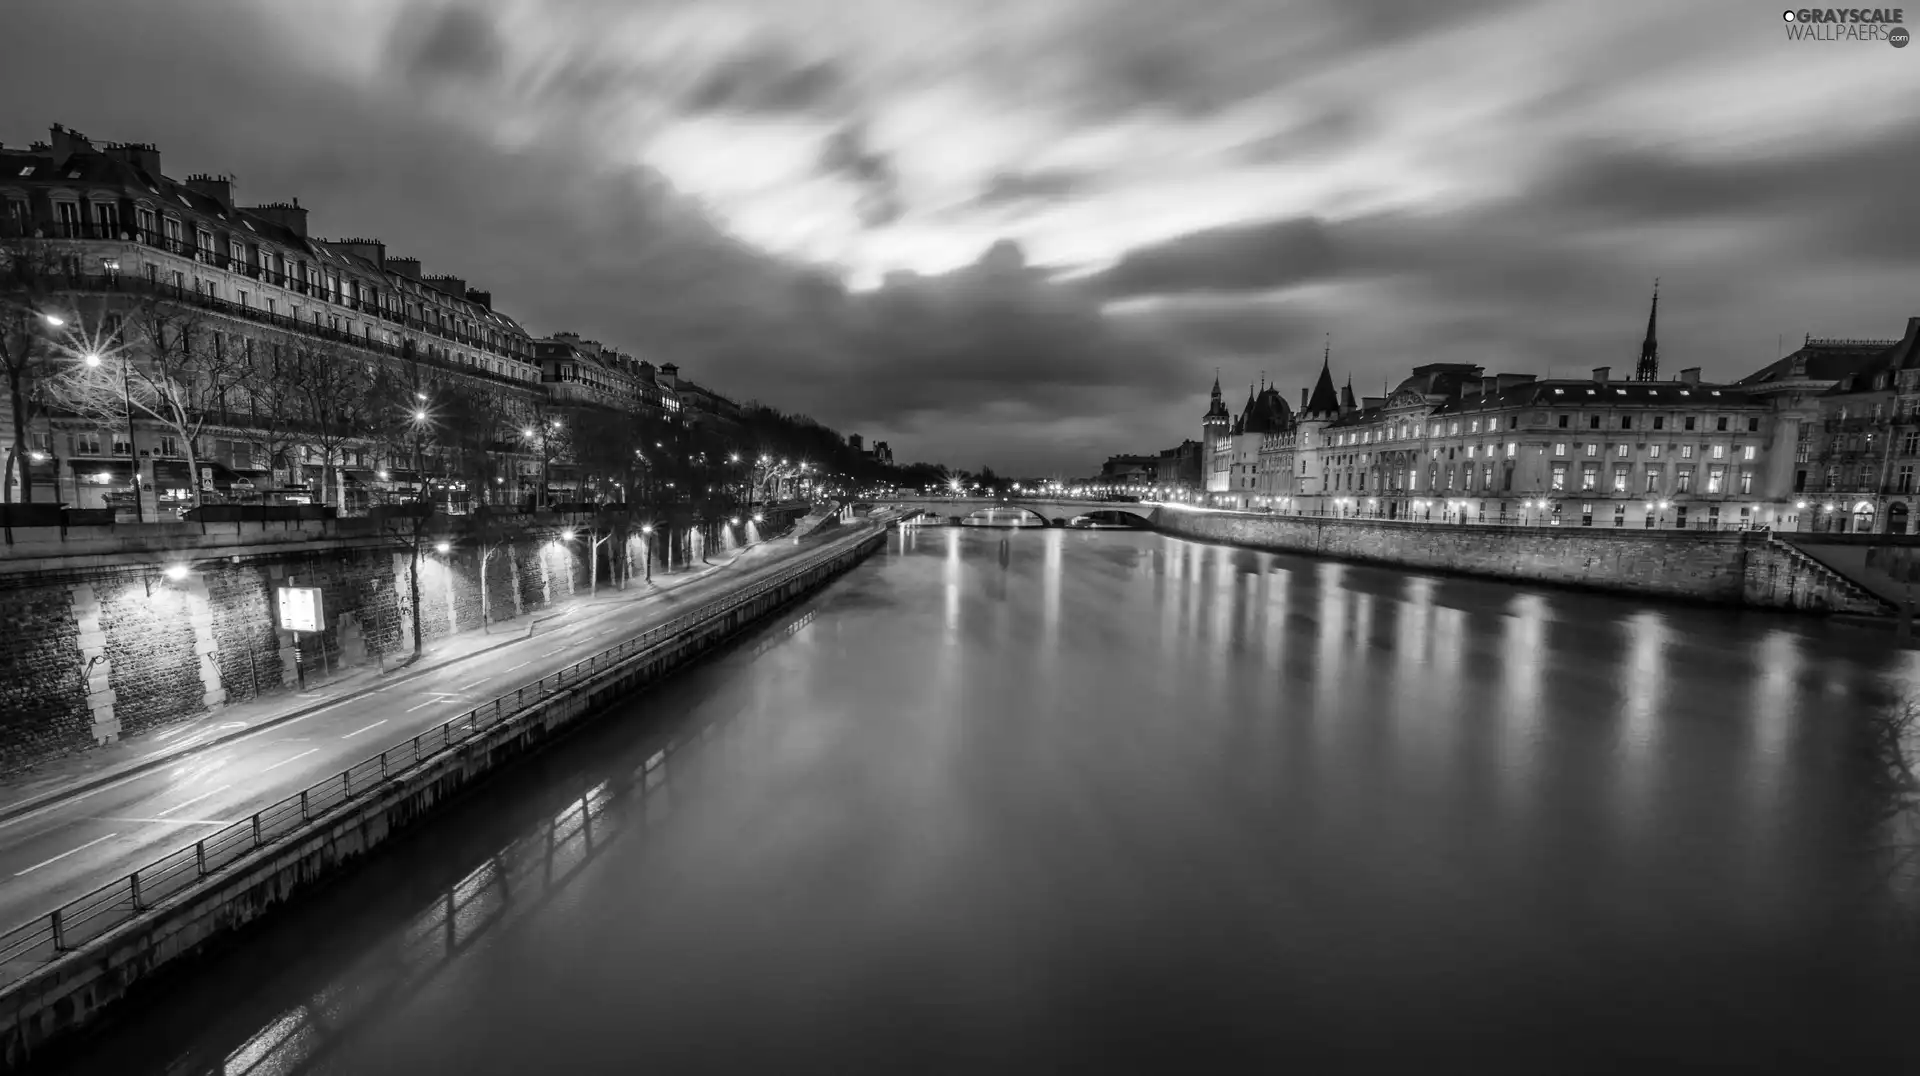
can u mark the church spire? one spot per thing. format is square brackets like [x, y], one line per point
[1648, 369]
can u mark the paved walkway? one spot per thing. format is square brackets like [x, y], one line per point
[65, 776]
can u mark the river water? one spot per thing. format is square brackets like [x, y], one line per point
[1065, 801]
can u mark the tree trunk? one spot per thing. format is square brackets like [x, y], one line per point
[486, 620]
[18, 457]
[593, 565]
[193, 475]
[413, 586]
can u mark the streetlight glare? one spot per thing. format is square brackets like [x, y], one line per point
[176, 572]
[442, 547]
[419, 416]
[54, 320]
[93, 358]
[567, 535]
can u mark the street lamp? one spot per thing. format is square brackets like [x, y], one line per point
[93, 360]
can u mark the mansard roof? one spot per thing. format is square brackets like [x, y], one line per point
[1821, 360]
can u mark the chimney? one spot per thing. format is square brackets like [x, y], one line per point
[451, 285]
[67, 143]
[1489, 385]
[218, 188]
[142, 155]
[372, 250]
[1303, 399]
[669, 376]
[287, 215]
[406, 267]
[484, 298]
[1600, 373]
[1690, 375]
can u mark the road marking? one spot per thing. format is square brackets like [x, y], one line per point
[363, 728]
[554, 651]
[191, 802]
[295, 758]
[522, 665]
[65, 854]
[476, 683]
[170, 821]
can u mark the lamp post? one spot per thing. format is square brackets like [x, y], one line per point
[94, 360]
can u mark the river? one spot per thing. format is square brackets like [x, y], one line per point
[1059, 800]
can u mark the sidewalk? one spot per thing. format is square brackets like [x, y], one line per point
[87, 770]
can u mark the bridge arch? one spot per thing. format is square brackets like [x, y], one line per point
[1123, 516]
[1003, 506]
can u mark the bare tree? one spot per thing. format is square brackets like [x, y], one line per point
[337, 406]
[169, 366]
[31, 317]
[273, 403]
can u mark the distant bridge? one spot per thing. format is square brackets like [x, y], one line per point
[1059, 512]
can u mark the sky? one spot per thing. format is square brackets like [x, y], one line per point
[1026, 234]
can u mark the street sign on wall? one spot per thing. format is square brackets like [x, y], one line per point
[300, 609]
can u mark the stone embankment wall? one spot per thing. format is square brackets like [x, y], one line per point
[92, 655]
[1727, 567]
[62, 999]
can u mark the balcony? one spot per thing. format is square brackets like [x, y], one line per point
[187, 248]
[121, 284]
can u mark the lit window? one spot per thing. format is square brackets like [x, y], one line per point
[1747, 452]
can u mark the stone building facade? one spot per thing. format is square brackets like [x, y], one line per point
[98, 244]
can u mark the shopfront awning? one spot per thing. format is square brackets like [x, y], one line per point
[102, 472]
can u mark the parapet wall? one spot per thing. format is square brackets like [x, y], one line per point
[1723, 567]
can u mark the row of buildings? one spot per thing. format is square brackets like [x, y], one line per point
[92, 232]
[1826, 438]
[1176, 468]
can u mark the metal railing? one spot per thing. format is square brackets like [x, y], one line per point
[91, 915]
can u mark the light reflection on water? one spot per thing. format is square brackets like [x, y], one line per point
[1073, 801]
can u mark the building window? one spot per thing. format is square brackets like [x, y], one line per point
[1683, 481]
[1620, 451]
[1474, 426]
[1586, 515]
[1688, 422]
[86, 443]
[1626, 422]
[1716, 479]
[1593, 450]
[1619, 480]
[1653, 480]
[1512, 448]
[1453, 428]
[1653, 452]
[169, 446]
[1720, 423]
[1686, 451]
[1753, 426]
[1589, 476]
[1563, 421]
[1718, 452]
[1903, 479]
[1560, 448]
[1593, 422]
[1559, 476]
[1746, 481]
[1619, 515]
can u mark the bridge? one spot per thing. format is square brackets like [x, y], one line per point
[1054, 512]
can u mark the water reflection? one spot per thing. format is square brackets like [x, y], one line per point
[1076, 801]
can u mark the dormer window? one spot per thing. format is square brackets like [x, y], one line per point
[27, 171]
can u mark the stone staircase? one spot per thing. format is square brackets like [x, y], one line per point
[815, 519]
[1853, 591]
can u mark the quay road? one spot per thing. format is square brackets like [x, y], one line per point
[76, 844]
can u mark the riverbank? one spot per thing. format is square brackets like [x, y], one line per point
[1747, 568]
[182, 907]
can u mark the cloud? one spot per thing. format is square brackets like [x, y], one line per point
[847, 154]
[1260, 256]
[1231, 180]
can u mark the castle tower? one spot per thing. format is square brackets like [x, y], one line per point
[1216, 445]
[1648, 368]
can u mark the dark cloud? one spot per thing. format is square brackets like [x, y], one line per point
[1269, 255]
[767, 78]
[450, 42]
[847, 154]
[1041, 185]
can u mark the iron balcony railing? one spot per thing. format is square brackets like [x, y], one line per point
[87, 917]
[121, 283]
[188, 247]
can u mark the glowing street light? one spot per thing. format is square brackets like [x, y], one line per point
[567, 535]
[442, 547]
[176, 572]
[54, 320]
[93, 358]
